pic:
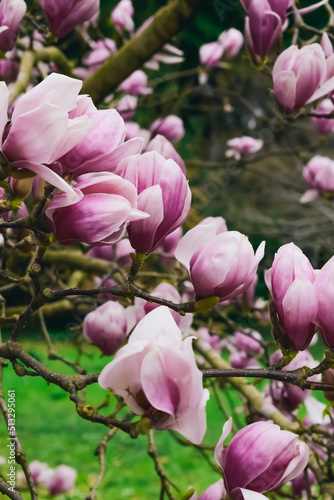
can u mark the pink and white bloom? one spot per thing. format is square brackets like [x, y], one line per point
[107, 203]
[133, 130]
[106, 327]
[210, 54]
[245, 145]
[300, 76]
[291, 284]
[232, 41]
[103, 147]
[59, 480]
[324, 125]
[222, 265]
[127, 106]
[163, 192]
[260, 457]
[122, 16]
[171, 127]
[37, 469]
[11, 15]
[324, 284]
[63, 17]
[219, 222]
[157, 375]
[164, 147]
[319, 175]
[136, 84]
[169, 243]
[52, 112]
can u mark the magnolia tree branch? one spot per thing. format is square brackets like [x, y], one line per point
[250, 393]
[167, 22]
[295, 377]
[5, 490]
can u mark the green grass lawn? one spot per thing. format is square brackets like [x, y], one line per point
[51, 431]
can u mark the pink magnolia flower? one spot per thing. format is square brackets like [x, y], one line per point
[171, 127]
[157, 375]
[169, 243]
[133, 130]
[222, 265]
[244, 145]
[232, 41]
[319, 175]
[299, 485]
[44, 112]
[119, 252]
[59, 480]
[280, 7]
[101, 50]
[163, 192]
[37, 469]
[9, 70]
[168, 292]
[162, 146]
[289, 396]
[127, 106]
[107, 203]
[325, 291]
[103, 147]
[263, 27]
[219, 222]
[300, 76]
[136, 84]
[122, 15]
[324, 125]
[11, 15]
[215, 492]
[260, 457]
[210, 54]
[63, 17]
[291, 284]
[106, 327]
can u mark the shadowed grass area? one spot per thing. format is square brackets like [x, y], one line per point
[51, 431]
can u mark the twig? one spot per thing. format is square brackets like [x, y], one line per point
[101, 451]
[165, 482]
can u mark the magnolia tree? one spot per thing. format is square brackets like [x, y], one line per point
[173, 311]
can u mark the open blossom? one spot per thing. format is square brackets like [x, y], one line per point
[122, 16]
[103, 147]
[291, 284]
[163, 192]
[107, 203]
[300, 76]
[324, 125]
[171, 127]
[59, 480]
[157, 375]
[222, 265]
[11, 15]
[63, 17]
[260, 457]
[244, 145]
[325, 291]
[319, 175]
[228, 44]
[136, 84]
[44, 112]
[106, 327]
